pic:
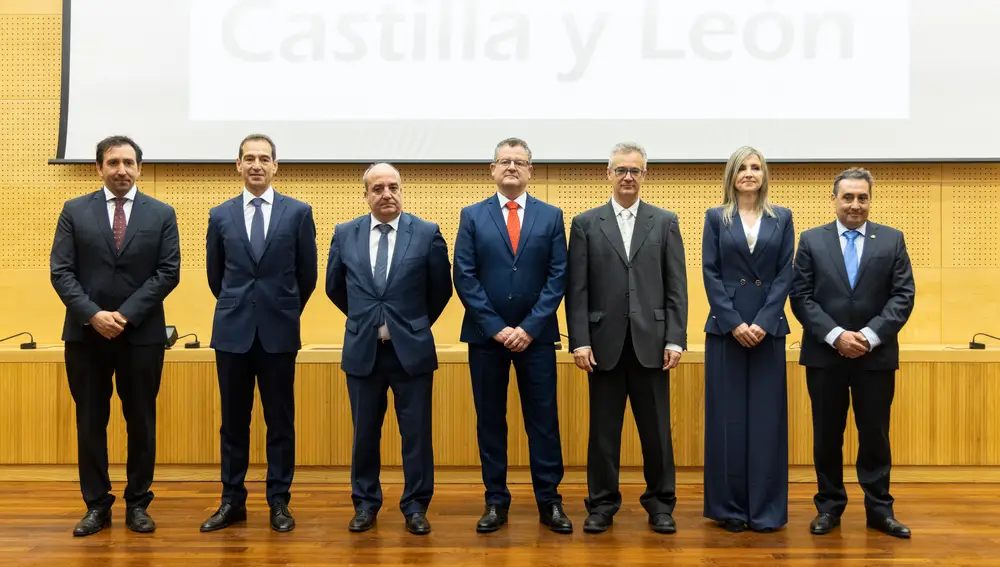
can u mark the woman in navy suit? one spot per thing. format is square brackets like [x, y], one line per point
[747, 251]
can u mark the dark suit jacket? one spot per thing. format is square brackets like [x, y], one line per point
[90, 275]
[500, 289]
[822, 298]
[743, 287]
[609, 293]
[417, 290]
[267, 298]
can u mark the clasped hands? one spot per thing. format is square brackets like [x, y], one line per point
[109, 324]
[514, 339]
[749, 335]
[851, 344]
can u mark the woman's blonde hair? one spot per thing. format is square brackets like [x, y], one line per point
[729, 196]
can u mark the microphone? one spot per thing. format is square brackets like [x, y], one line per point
[24, 346]
[977, 345]
[193, 344]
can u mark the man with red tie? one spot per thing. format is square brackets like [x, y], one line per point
[510, 268]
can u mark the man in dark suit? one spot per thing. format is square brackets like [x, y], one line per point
[853, 291]
[389, 273]
[510, 268]
[115, 257]
[261, 261]
[626, 309]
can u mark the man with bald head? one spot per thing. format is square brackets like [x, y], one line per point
[389, 273]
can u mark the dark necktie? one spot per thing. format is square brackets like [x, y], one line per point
[257, 229]
[119, 225]
[382, 258]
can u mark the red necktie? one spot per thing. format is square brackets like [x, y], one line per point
[513, 225]
[118, 228]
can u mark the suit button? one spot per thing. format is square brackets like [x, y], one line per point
[626, 294]
[756, 283]
[626, 314]
[515, 268]
[743, 281]
[510, 297]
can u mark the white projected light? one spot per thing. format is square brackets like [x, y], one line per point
[444, 80]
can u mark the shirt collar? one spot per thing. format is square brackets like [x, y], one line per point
[634, 209]
[130, 196]
[267, 196]
[394, 223]
[841, 229]
[520, 200]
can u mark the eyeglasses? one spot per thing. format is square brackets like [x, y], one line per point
[635, 171]
[519, 163]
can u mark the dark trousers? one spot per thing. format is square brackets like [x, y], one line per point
[137, 370]
[275, 375]
[648, 392]
[535, 368]
[412, 396]
[831, 391]
[746, 432]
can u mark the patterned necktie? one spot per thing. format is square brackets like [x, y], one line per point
[257, 229]
[119, 225]
[513, 224]
[625, 225]
[382, 258]
[851, 256]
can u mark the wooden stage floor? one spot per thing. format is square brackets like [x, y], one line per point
[952, 524]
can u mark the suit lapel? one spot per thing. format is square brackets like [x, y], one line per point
[643, 224]
[493, 207]
[277, 212]
[99, 206]
[402, 242]
[832, 240]
[767, 226]
[739, 236]
[364, 252]
[135, 216]
[609, 226]
[871, 242]
[530, 214]
[240, 222]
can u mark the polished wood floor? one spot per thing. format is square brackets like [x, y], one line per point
[953, 525]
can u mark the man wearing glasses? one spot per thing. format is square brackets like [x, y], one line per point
[626, 309]
[510, 266]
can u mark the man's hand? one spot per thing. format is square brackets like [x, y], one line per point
[863, 340]
[120, 319]
[584, 359]
[670, 359]
[503, 335]
[745, 336]
[757, 332]
[104, 322]
[518, 340]
[849, 346]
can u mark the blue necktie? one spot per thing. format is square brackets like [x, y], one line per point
[382, 258]
[851, 256]
[257, 229]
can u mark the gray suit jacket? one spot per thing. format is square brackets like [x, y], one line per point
[609, 292]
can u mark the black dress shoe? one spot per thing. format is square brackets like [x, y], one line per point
[95, 520]
[824, 523]
[363, 521]
[225, 516]
[137, 520]
[417, 524]
[890, 526]
[663, 523]
[732, 525]
[493, 518]
[553, 516]
[597, 523]
[281, 518]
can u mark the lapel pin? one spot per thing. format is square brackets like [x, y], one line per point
[873, 237]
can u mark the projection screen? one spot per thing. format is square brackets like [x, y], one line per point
[444, 80]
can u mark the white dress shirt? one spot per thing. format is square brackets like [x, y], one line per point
[110, 198]
[626, 224]
[521, 200]
[374, 235]
[752, 233]
[265, 208]
[859, 245]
